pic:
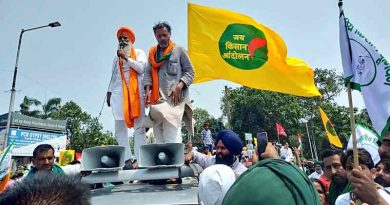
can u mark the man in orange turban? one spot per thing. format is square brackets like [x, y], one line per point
[125, 92]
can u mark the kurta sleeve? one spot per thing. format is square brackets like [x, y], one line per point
[203, 160]
[187, 68]
[139, 64]
[147, 79]
[113, 74]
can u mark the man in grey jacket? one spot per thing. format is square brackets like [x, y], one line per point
[167, 78]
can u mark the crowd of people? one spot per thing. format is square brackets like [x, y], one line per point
[335, 179]
[231, 175]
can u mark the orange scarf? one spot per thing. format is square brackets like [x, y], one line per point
[131, 98]
[156, 63]
[4, 182]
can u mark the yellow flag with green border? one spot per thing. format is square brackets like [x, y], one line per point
[330, 131]
[226, 45]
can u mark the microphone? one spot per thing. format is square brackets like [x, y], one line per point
[122, 45]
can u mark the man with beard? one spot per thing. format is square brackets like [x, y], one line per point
[228, 147]
[333, 167]
[167, 78]
[362, 179]
[383, 173]
[43, 160]
[384, 149]
[125, 91]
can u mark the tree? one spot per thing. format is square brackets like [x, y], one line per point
[201, 116]
[253, 110]
[47, 109]
[86, 131]
[26, 105]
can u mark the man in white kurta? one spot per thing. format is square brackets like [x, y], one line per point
[116, 91]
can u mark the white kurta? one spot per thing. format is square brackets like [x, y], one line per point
[344, 199]
[121, 131]
[116, 82]
[214, 182]
[205, 161]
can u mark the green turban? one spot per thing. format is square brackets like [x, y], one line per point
[271, 182]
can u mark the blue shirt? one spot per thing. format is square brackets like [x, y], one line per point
[206, 136]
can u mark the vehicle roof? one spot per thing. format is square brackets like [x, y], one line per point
[144, 193]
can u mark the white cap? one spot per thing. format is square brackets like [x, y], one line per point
[214, 182]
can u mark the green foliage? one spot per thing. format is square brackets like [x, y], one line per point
[253, 110]
[27, 104]
[46, 111]
[86, 131]
[201, 117]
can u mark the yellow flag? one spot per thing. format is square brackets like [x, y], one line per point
[330, 131]
[226, 45]
[66, 156]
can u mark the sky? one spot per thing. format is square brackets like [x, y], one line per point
[74, 61]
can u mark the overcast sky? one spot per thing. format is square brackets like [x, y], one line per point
[74, 61]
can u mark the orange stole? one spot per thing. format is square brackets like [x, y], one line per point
[4, 182]
[155, 95]
[131, 98]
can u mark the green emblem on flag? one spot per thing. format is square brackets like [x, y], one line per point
[330, 128]
[243, 46]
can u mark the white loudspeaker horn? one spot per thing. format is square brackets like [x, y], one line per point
[161, 155]
[103, 158]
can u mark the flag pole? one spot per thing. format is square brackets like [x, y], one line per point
[308, 136]
[352, 117]
[227, 106]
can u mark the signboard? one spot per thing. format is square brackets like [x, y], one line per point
[25, 141]
[248, 136]
[19, 120]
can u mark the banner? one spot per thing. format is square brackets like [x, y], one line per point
[330, 131]
[248, 136]
[226, 45]
[25, 141]
[5, 167]
[366, 139]
[66, 156]
[367, 71]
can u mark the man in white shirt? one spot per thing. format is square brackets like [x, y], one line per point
[318, 171]
[286, 153]
[125, 92]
